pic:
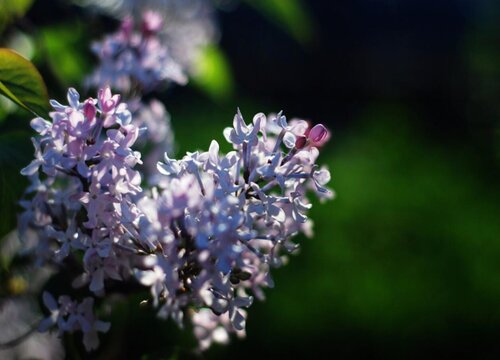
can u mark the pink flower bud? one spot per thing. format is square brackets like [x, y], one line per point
[152, 22]
[318, 135]
[89, 109]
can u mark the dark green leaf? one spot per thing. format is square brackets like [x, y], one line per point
[21, 82]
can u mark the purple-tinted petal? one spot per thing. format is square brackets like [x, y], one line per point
[56, 105]
[243, 301]
[49, 301]
[83, 169]
[238, 321]
[40, 125]
[32, 168]
[73, 98]
[102, 326]
[46, 324]
[97, 282]
[289, 140]
[214, 152]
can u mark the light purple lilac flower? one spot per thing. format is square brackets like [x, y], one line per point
[135, 58]
[226, 220]
[203, 239]
[187, 29]
[70, 316]
[84, 165]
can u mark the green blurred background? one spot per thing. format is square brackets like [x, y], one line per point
[405, 262]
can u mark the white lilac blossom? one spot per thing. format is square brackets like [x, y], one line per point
[203, 239]
[136, 58]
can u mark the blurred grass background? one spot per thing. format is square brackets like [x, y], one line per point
[405, 262]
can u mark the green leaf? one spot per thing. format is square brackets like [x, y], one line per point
[21, 82]
[12, 9]
[69, 61]
[213, 74]
[291, 15]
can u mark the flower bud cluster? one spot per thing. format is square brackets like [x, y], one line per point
[203, 239]
[135, 58]
[189, 26]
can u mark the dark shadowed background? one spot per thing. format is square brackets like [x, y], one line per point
[405, 262]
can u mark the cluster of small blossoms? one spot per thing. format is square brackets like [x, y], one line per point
[135, 63]
[203, 239]
[82, 187]
[135, 58]
[189, 26]
[216, 224]
[70, 316]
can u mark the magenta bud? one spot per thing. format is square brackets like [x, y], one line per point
[152, 22]
[318, 135]
[89, 110]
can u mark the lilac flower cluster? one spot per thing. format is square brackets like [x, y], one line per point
[70, 316]
[218, 223]
[83, 183]
[136, 62]
[189, 26]
[203, 239]
[136, 58]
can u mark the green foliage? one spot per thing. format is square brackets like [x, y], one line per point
[21, 82]
[213, 74]
[12, 9]
[64, 53]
